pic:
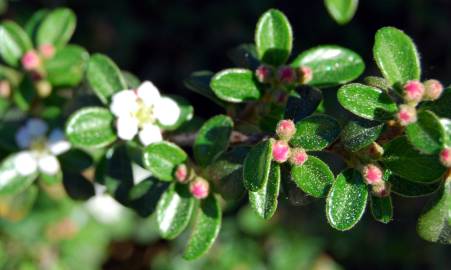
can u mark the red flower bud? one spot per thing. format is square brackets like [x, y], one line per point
[406, 115]
[199, 188]
[298, 156]
[381, 190]
[285, 129]
[31, 60]
[181, 173]
[432, 90]
[280, 151]
[413, 91]
[445, 157]
[286, 75]
[47, 50]
[264, 74]
[305, 75]
[372, 174]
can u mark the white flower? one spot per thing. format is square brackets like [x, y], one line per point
[104, 208]
[140, 111]
[39, 153]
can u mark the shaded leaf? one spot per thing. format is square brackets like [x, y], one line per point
[264, 201]
[316, 132]
[162, 159]
[235, 85]
[257, 165]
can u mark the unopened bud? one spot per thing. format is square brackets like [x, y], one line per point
[445, 157]
[5, 89]
[285, 129]
[432, 90]
[181, 173]
[47, 50]
[372, 174]
[264, 74]
[43, 88]
[305, 75]
[298, 156]
[280, 151]
[31, 60]
[406, 115]
[381, 190]
[286, 75]
[413, 91]
[375, 151]
[199, 188]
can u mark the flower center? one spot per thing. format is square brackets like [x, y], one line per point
[144, 114]
[39, 145]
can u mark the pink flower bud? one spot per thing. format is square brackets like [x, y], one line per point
[381, 190]
[285, 129]
[280, 151]
[372, 174]
[305, 75]
[181, 173]
[445, 157]
[264, 74]
[47, 50]
[5, 89]
[413, 91]
[298, 156]
[31, 60]
[286, 75]
[406, 115]
[199, 188]
[432, 90]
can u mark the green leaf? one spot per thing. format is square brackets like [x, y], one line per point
[316, 132]
[212, 139]
[75, 160]
[441, 106]
[104, 77]
[25, 94]
[57, 28]
[303, 104]
[367, 102]
[33, 23]
[381, 208]
[427, 134]
[403, 160]
[264, 201]
[396, 56]
[174, 211]
[235, 85]
[91, 127]
[186, 112]
[377, 82]
[245, 56]
[409, 189]
[314, 177]
[11, 181]
[434, 224]
[52, 179]
[144, 196]
[17, 206]
[77, 186]
[331, 65]
[273, 37]
[199, 82]
[206, 228]
[67, 67]
[346, 201]
[360, 133]
[131, 79]
[14, 43]
[341, 11]
[162, 158]
[257, 165]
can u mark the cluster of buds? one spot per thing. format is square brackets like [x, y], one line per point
[445, 157]
[281, 150]
[198, 186]
[284, 75]
[373, 176]
[407, 114]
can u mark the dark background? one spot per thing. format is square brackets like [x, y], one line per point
[165, 41]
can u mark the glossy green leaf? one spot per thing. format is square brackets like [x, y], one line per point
[257, 165]
[51, 179]
[381, 208]
[212, 139]
[367, 102]
[104, 77]
[273, 37]
[77, 186]
[446, 123]
[25, 94]
[162, 159]
[199, 82]
[131, 79]
[67, 67]
[396, 56]
[264, 201]
[405, 161]
[57, 28]
[358, 134]
[377, 82]
[409, 189]
[91, 127]
[206, 228]
[11, 181]
[434, 224]
[314, 177]
[303, 103]
[33, 23]
[75, 160]
[341, 11]
[316, 132]
[346, 201]
[331, 65]
[245, 56]
[427, 134]
[14, 43]
[145, 195]
[235, 85]
[441, 106]
[174, 211]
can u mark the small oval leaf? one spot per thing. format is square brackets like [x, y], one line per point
[264, 201]
[235, 85]
[14, 43]
[162, 159]
[409, 189]
[381, 208]
[67, 67]
[427, 134]
[314, 177]
[57, 28]
[303, 103]
[257, 165]
[360, 133]
[341, 11]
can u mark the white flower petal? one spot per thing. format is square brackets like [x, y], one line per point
[167, 111]
[127, 128]
[36, 127]
[25, 163]
[105, 209]
[124, 103]
[48, 164]
[148, 93]
[150, 134]
[57, 143]
[23, 138]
